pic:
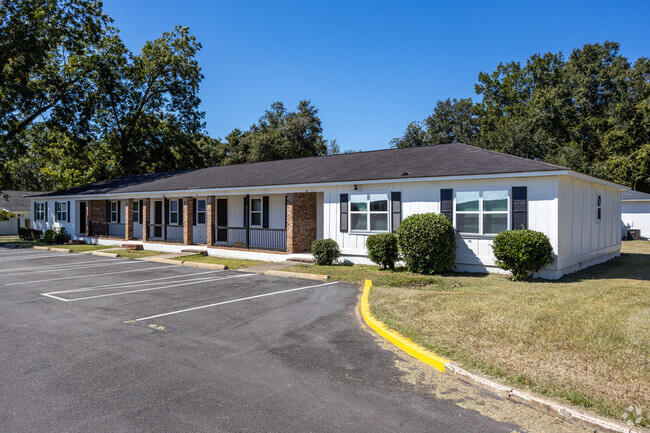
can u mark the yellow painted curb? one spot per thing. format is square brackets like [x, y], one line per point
[406, 344]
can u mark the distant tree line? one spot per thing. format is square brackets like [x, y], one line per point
[590, 112]
[77, 106]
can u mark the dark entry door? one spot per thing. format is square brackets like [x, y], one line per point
[157, 219]
[222, 219]
[82, 217]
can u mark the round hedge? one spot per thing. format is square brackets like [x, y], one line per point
[383, 250]
[427, 243]
[325, 251]
[522, 252]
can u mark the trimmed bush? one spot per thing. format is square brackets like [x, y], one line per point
[59, 236]
[28, 234]
[427, 243]
[382, 249]
[325, 251]
[522, 252]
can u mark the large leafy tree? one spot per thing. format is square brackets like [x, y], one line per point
[590, 112]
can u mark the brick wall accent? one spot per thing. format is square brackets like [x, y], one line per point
[87, 228]
[97, 217]
[128, 220]
[301, 221]
[145, 219]
[188, 228]
[210, 213]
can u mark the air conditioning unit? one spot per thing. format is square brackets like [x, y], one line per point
[634, 234]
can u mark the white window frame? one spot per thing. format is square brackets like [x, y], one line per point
[369, 212]
[39, 214]
[136, 211]
[173, 213]
[114, 212]
[599, 207]
[482, 212]
[61, 210]
[260, 212]
[200, 213]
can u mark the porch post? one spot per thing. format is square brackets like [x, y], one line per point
[210, 211]
[128, 220]
[247, 204]
[188, 227]
[145, 219]
[301, 221]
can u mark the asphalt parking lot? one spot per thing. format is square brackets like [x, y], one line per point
[116, 345]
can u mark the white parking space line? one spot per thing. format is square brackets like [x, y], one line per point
[18, 253]
[39, 256]
[71, 266]
[185, 283]
[89, 276]
[233, 300]
[133, 283]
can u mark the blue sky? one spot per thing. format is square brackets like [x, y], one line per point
[370, 67]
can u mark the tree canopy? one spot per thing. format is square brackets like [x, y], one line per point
[590, 112]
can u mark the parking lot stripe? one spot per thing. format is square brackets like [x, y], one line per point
[234, 300]
[70, 266]
[88, 276]
[13, 253]
[55, 297]
[37, 256]
[185, 283]
[133, 283]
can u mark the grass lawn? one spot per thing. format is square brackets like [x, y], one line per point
[584, 338]
[230, 263]
[15, 240]
[135, 254]
[82, 247]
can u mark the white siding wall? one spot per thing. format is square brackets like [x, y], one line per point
[583, 241]
[9, 227]
[636, 215]
[474, 251]
[51, 223]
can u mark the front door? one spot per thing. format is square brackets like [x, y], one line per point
[157, 219]
[222, 219]
[82, 217]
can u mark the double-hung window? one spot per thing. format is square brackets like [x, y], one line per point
[136, 211]
[173, 212]
[200, 211]
[40, 212]
[482, 211]
[369, 212]
[256, 212]
[115, 210]
[599, 208]
[61, 209]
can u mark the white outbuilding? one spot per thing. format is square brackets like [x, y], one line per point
[18, 203]
[635, 213]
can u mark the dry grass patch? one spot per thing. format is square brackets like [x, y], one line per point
[584, 338]
[230, 263]
[83, 247]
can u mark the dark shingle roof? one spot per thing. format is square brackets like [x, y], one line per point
[16, 201]
[634, 195]
[453, 159]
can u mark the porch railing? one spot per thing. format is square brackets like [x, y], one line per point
[165, 232]
[102, 228]
[249, 237]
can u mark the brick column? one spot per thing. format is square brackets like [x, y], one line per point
[145, 219]
[188, 227]
[128, 220]
[301, 221]
[97, 217]
[209, 216]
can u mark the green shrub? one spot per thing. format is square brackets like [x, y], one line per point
[28, 234]
[61, 236]
[427, 243]
[382, 249]
[522, 252]
[48, 237]
[325, 251]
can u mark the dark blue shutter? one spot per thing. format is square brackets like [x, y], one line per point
[68, 213]
[34, 217]
[140, 212]
[447, 203]
[166, 210]
[396, 209]
[181, 211]
[519, 207]
[265, 211]
[246, 205]
[193, 211]
[344, 213]
[119, 211]
[56, 211]
[45, 211]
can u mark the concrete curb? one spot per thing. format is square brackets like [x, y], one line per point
[303, 275]
[103, 254]
[203, 265]
[36, 247]
[160, 260]
[567, 413]
[60, 250]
